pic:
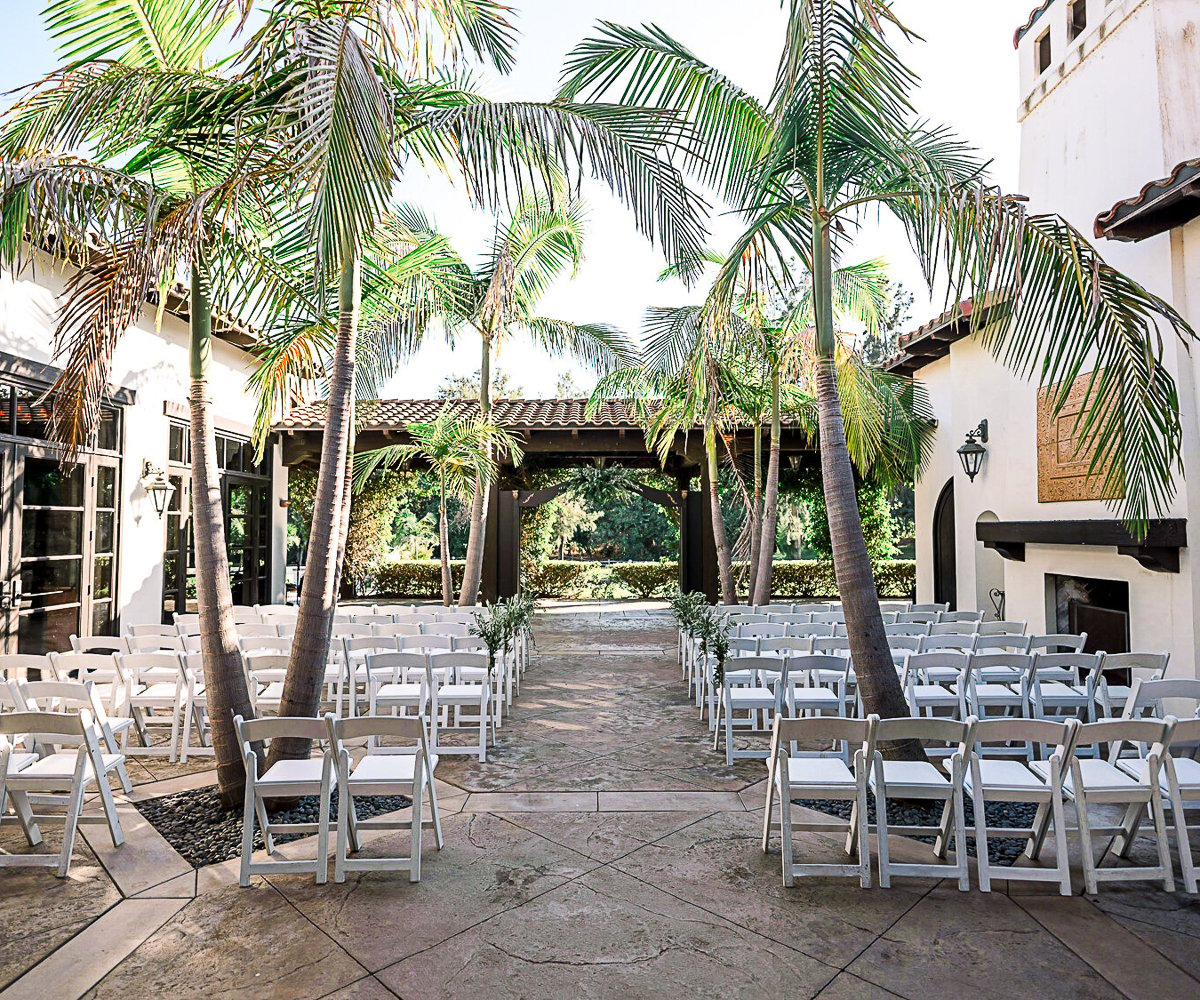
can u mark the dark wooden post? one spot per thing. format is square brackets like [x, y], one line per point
[508, 544]
[697, 550]
[489, 589]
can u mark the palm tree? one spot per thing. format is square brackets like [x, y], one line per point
[840, 138]
[143, 210]
[339, 88]
[531, 247]
[462, 451]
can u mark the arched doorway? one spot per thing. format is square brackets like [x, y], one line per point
[945, 566]
[989, 575]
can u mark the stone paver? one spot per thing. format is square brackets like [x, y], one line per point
[604, 850]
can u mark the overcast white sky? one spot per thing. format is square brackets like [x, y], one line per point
[969, 72]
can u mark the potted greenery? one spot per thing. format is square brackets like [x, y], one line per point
[491, 625]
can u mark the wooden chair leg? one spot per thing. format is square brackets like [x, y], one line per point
[340, 844]
[1085, 836]
[323, 835]
[248, 813]
[70, 826]
[1157, 814]
[414, 871]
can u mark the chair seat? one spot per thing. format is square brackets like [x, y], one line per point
[20, 761]
[942, 675]
[815, 695]
[1187, 771]
[161, 691]
[391, 692]
[911, 774]
[272, 692]
[998, 775]
[1001, 675]
[814, 771]
[1098, 775]
[469, 693]
[750, 696]
[934, 693]
[996, 694]
[1058, 693]
[118, 724]
[290, 772]
[377, 768]
[61, 766]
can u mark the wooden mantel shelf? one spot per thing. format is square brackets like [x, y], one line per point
[1158, 551]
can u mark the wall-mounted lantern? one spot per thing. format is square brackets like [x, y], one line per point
[156, 482]
[972, 450]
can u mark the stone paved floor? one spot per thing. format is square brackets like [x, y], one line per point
[603, 851]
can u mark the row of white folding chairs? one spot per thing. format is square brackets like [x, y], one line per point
[819, 607]
[839, 618]
[53, 749]
[1141, 774]
[379, 772]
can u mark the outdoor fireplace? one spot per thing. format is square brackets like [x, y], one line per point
[1098, 607]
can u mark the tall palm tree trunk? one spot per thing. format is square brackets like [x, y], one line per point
[476, 540]
[720, 536]
[877, 681]
[444, 542]
[756, 514]
[770, 520]
[318, 598]
[224, 679]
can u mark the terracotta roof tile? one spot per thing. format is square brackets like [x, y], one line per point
[1182, 173]
[531, 414]
[1034, 14]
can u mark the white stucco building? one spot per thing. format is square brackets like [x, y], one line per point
[1110, 126]
[84, 550]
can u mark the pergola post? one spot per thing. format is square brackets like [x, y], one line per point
[697, 550]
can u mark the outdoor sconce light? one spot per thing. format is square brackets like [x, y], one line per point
[156, 483]
[972, 450]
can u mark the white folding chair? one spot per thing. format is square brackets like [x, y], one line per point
[995, 682]
[401, 680]
[1111, 697]
[155, 682]
[18, 666]
[440, 628]
[916, 618]
[989, 779]
[265, 675]
[746, 688]
[1095, 781]
[894, 607]
[195, 707]
[953, 630]
[107, 679]
[60, 778]
[920, 780]
[379, 773]
[73, 697]
[1001, 628]
[397, 629]
[265, 643]
[102, 644]
[935, 608]
[167, 631]
[284, 779]
[814, 683]
[907, 629]
[1055, 687]
[1004, 642]
[960, 616]
[761, 630]
[826, 778]
[356, 653]
[807, 630]
[1058, 642]
[469, 688]
[931, 681]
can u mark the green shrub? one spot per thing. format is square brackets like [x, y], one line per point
[414, 578]
[557, 578]
[896, 578]
[646, 580]
[812, 579]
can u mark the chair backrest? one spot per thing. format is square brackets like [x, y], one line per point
[936, 608]
[98, 667]
[1082, 663]
[153, 643]
[954, 640]
[825, 728]
[916, 664]
[1008, 729]
[265, 644]
[755, 663]
[187, 623]
[1119, 732]
[978, 662]
[951, 732]
[761, 630]
[16, 666]
[245, 614]
[1150, 694]
[1002, 628]
[830, 644]
[425, 642]
[393, 727]
[811, 609]
[156, 629]
[806, 629]
[155, 667]
[799, 664]
[56, 696]
[50, 727]
[828, 618]
[467, 642]
[952, 628]
[98, 644]
[462, 617]
[1156, 663]
[373, 619]
[1185, 734]
[256, 661]
[1058, 642]
[281, 610]
[743, 645]
[785, 645]
[466, 666]
[446, 628]
[789, 619]
[917, 617]
[397, 664]
[257, 630]
[1000, 643]
[961, 616]
[397, 628]
[252, 731]
[895, 607]
[391, 610]
[773, 609]
[415, 618]
[356, 647]
[342, 630]
[907, 628]
[911, 643]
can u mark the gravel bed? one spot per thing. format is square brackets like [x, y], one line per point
[205, 833]
[1001, 850]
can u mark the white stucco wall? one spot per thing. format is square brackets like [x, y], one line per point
[155, 365]
[1117, 108]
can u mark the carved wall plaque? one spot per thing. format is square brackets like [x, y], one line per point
[1062, 462]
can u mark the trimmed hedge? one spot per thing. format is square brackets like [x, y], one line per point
[791, 579]
[646, 580]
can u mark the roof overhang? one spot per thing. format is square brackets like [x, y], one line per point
[1160, 206]
[931, 341]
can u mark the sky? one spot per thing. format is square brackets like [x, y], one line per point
[969, 82]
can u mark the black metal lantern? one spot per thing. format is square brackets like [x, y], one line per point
[158, 485]
[972, 450]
